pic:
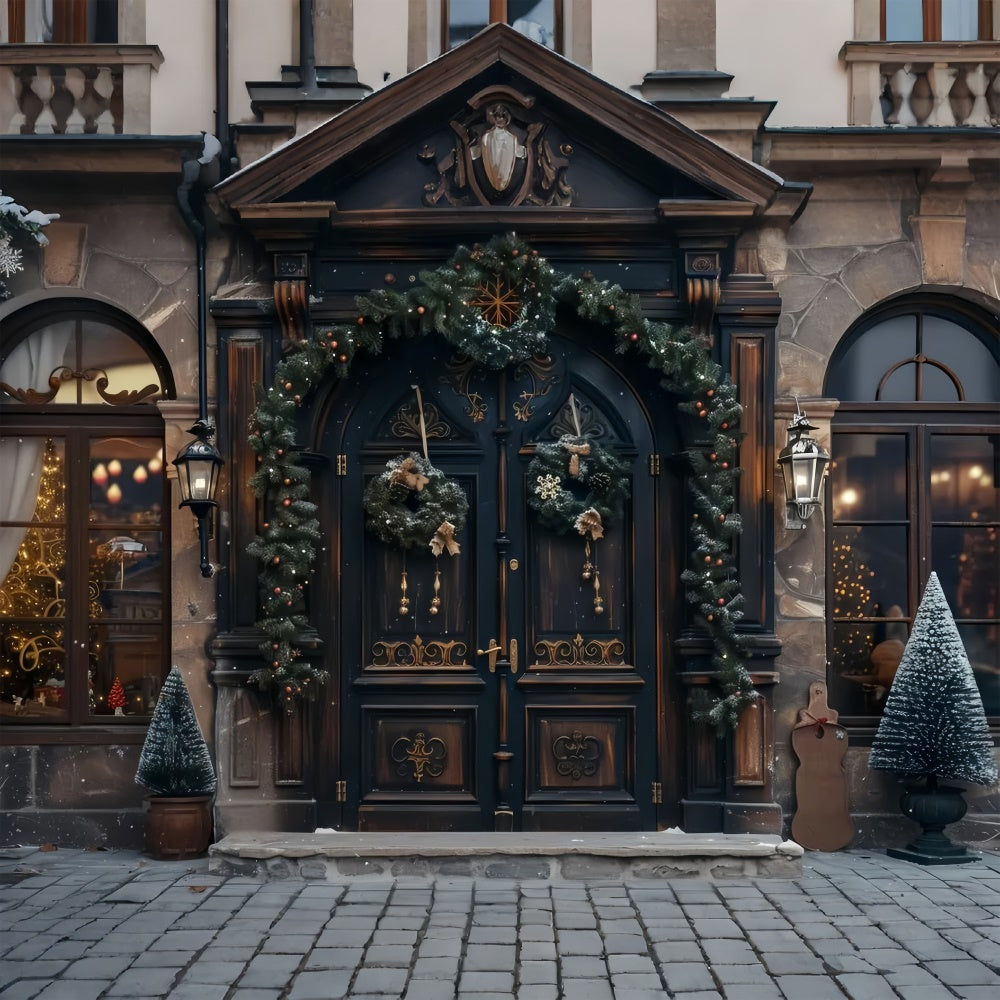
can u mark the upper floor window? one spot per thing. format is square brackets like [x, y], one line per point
[540, 20]
[914, 487]
[937, 20]
[84, 518]
[68, 22]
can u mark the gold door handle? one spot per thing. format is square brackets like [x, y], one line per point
[513, 656]
[491, 651]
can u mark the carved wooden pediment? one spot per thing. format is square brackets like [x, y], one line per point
[500, 124]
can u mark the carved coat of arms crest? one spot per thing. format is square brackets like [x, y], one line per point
[500, 156]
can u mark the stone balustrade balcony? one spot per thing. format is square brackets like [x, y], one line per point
[91, 89]
[924, 83]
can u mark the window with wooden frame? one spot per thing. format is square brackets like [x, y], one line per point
[937, 20]
[914, 487]
[67, 22]
[539, 20]
[84, 519]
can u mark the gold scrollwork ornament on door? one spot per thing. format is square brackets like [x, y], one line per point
[424, 756]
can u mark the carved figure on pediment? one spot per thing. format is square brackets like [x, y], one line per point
[501, 156]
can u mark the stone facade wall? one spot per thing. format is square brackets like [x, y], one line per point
[133, 252]
[858, 243]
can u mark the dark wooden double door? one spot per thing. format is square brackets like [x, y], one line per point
[533, 698]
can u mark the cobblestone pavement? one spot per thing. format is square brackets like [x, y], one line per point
[76, 925]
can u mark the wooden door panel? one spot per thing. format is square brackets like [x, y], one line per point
[418, 768]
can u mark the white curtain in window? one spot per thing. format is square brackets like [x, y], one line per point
[959, 20]
[28, 366]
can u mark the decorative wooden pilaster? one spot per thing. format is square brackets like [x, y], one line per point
[291, 296]
[701, 271]
[730, 784]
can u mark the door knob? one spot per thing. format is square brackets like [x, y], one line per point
[491, 651]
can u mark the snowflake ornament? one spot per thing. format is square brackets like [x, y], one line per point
[548, 487]
[10, 258]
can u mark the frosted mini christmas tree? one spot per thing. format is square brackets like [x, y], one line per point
[174, 759]
[934, 727]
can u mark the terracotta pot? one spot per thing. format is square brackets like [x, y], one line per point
[178, 827]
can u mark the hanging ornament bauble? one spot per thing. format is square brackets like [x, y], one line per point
[575, 484]
[408, 503]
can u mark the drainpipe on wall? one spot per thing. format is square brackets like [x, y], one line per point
[191, 172]
[222, 131]
[307, 47]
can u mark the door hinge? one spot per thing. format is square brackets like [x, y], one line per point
[654, 465]
[657, 793]
[341, 791]
[341, 465]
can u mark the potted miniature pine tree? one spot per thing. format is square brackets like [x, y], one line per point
[934, 729]
[176, 768]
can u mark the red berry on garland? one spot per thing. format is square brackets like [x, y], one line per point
[276, 560]
[342, 358]
[298, 399]
[458, 267]
[280, 452]
[333, 345]
[514, 253]
[725, 465]
[277, 590]
[611, 308]
[634, 337]
[725, 426]
[286, 502]
[421, 310]
[710, 618]
[722, 518]
[712, 456]
[718, 562]
[288, 387]
[390, 279]
[710, 393]
[708, 559]
[275, 664]
[361, 321]
[703, 413]
[288, 690]
[721, 602]
[287, 482]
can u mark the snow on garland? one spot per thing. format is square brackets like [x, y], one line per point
[496, 304]
[16, 220]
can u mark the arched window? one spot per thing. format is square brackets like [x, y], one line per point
[914, 487]
[84, 517]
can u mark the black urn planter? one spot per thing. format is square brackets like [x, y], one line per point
[934, 807]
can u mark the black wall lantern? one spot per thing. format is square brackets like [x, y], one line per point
[198, 467]
[803, 465]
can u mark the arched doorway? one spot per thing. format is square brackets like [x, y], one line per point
[567, 724]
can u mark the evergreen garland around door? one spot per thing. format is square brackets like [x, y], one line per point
[496, 304]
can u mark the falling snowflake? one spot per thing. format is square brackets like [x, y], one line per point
[548, 487]
[10, 258]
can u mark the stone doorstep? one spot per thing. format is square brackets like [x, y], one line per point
[537, 856]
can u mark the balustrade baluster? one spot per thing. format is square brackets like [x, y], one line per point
[941, 78]
[62, 102]
[28, 102]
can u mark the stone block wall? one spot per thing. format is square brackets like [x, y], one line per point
[862, 240]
